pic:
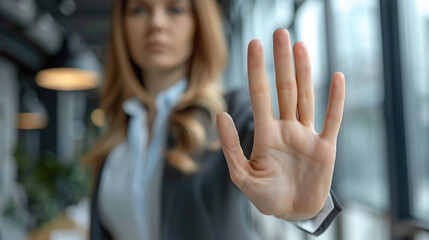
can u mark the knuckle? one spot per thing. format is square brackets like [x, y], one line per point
[306, 94]
[286, 85]
[333, 118]
[233, 147]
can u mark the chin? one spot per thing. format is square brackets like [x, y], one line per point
[158, 65]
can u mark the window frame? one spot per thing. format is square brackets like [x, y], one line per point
[403, 224]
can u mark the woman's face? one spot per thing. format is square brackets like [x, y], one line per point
[159, 33]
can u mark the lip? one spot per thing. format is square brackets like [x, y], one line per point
[156, 46]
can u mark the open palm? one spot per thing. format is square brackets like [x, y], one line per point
[290, 170]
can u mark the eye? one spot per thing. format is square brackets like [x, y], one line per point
[139, 10]
[175, 10]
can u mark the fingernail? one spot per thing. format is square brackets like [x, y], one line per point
[254, 51]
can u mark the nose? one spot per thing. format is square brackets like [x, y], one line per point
[158, 18]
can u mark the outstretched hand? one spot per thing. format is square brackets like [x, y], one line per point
[290, 170]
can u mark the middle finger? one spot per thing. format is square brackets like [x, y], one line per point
[285, 77]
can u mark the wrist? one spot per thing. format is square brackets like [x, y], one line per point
[300, 212]
[293, 216]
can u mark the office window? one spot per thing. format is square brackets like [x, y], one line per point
[414, 29]
[310, 28]
[361, 169]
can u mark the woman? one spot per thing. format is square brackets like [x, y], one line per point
[159, 170]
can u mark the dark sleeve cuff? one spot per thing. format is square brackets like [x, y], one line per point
[318, 224]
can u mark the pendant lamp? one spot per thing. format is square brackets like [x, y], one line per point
[74, 68]
[32, 113]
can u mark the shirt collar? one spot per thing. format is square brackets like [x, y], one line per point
[165, 100]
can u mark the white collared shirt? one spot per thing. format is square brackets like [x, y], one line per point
[130, 188]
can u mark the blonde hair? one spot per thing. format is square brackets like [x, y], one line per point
[207, 63]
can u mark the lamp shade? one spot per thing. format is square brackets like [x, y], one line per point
[74, 68]
[32, 113]
[67, 79]
[31, 121]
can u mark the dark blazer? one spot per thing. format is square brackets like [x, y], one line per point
[205, 205]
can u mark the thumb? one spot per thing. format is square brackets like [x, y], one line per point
[237, 163]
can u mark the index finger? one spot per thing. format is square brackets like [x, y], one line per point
[259, 88]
